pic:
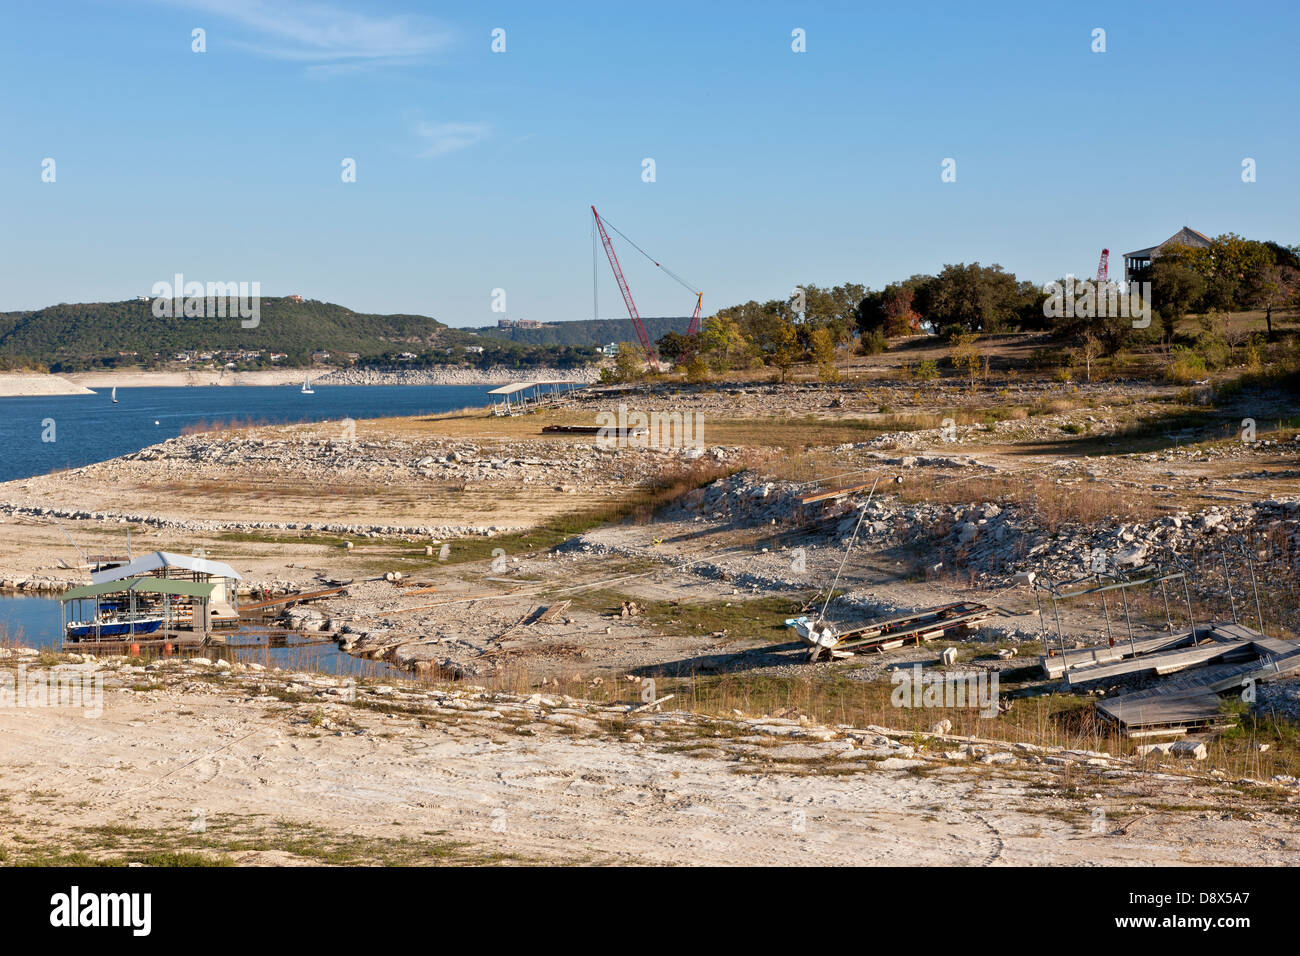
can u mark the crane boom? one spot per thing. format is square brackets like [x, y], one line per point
[637, 324]
[694, 328]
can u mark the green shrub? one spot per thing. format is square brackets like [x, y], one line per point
[872, 343]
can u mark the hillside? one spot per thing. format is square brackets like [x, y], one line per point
[589, 332]
[71, 334]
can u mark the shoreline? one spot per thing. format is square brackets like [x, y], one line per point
[42, 384]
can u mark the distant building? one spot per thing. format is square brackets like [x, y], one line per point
[611, 349]
[320, 356]
[518, 324]
[1137, 263]
[476, 349]
[293, 298]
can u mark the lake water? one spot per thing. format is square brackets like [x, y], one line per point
[90, 428]
[34, 622]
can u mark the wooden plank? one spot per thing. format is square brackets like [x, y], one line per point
[1169, 709]
[549, 614]
[1275, 647]
[291, 598]
[834, 493]
[1165, 662]
[1105, 654]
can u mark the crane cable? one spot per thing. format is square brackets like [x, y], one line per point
[680, 281]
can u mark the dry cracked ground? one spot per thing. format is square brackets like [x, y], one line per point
[679, 567]
[230, 765]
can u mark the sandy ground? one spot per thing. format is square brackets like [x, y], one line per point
[541, 782]
[18, 384]
[166, 379]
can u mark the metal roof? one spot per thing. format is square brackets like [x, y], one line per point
[198, 589]
[92, 590]
[520, 386]
[165, 559]
[1186, 236]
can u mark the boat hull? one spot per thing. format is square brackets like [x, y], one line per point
[81, 632]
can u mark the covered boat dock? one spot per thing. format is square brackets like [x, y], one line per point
[514, 399]
[141, 609]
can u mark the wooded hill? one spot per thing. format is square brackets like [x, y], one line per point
[589, 332]
[93, 332]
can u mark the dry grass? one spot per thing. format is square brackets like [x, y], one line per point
[1054, 506]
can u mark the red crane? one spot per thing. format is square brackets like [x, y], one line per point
[1103, 267]
[627, 293]
[641, 334]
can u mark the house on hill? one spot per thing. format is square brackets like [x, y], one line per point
[1137, 263]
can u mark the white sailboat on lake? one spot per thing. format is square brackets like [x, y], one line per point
[306, 386]
[114, 394]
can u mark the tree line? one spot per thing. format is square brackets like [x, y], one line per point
[963, 299]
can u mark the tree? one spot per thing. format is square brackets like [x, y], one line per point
[979, 298]
[1226, 266]
[1272, 287]
[722, 343]
[965, 354]
[823, 353]
[785, 350]
[1089, 349]
[629, 363]
[900, 318]
[673, 345]
[697, 369]
[1175, 286]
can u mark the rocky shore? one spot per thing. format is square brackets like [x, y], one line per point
[455, 375]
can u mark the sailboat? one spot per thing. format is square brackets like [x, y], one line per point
[306, 386]
[114, 394]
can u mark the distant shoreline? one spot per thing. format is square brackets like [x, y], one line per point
[35, 384]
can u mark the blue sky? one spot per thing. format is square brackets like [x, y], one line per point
[475, 170]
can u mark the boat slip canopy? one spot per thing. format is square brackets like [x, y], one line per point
[514, 387]
[165, 559]
[197, 589]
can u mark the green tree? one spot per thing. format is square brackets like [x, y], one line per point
[823, 353]
[979, 298]
[1175, 287]
[785, 351]
[673, 345]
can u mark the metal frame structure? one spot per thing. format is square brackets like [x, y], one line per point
[1105, 582]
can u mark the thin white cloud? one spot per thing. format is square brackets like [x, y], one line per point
[439, 139]
[320, 33]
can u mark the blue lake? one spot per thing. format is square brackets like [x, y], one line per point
[90, 428]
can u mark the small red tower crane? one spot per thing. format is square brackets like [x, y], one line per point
[1103, 267]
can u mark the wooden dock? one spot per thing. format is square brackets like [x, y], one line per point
[1226, 659]
[298, 598]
